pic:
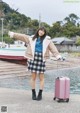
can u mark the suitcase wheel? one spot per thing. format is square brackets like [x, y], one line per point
[67, 100]
[62, 100]
[54, 98]
[59, 100]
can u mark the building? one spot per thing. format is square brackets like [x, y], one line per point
[63, 43]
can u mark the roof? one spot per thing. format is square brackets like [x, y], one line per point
[62, 40]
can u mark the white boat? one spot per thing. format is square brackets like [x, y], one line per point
[14, 52]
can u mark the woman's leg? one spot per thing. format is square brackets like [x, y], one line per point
[41, 77]
[33, 81]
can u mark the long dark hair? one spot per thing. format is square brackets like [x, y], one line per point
[37, 35]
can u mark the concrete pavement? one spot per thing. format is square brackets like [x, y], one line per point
[19, 101]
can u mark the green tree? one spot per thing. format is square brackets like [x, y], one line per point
[70, 27]
[78, 41]
[55, 30]
[43, 24]
[72, 18]
[8, 40]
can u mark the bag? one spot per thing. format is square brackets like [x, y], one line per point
[62, 89]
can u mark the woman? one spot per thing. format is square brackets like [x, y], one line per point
[38, 48]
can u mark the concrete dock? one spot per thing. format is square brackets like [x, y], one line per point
[19, 101]
[8, 69]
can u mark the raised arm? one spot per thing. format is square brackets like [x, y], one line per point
[19, 36]
[54, 50]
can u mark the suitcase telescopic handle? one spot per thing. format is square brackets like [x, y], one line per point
[58, 69]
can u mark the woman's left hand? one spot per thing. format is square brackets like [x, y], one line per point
[61, 59]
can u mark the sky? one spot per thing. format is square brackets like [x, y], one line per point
[49, 10]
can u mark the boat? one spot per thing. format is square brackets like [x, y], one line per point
[13, 53]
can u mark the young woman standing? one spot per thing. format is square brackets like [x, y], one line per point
[38, 48]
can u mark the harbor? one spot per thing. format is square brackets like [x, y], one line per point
[17, 99]
[35, 27]
[16, 76]
[8, 68]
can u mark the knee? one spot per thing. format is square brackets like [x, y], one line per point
[41, 78]
[33, 78]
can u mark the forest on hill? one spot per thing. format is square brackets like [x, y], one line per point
[13, 20]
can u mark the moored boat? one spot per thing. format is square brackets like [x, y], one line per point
[14, 54]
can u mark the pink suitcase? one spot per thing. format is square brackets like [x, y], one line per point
[62, 89]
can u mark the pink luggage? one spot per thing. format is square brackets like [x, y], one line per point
[62, 89]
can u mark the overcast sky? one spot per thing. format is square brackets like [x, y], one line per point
[50, 10]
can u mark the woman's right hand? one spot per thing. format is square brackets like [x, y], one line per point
[11, 34]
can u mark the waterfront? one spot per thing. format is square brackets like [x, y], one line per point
[20, 101]
[15, 76]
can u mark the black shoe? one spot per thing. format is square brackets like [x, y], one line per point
[33, 94]
[39, 97]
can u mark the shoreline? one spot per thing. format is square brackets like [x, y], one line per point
[13, 69]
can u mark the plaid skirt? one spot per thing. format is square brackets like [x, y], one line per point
[37, 65]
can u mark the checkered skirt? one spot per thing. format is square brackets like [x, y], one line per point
[37, 65]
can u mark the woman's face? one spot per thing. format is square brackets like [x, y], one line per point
[41, 32]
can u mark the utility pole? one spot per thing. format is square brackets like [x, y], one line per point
[2, 18]
[2, 29]
[39, 20]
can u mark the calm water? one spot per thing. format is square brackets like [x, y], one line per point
[24, 82]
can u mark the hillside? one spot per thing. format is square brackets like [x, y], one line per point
[13, 20]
